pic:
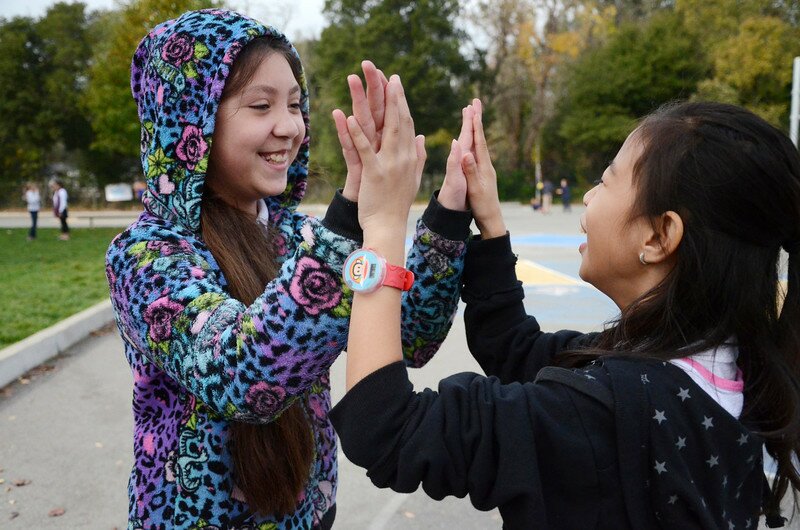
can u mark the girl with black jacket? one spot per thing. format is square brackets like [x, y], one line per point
[659, 420]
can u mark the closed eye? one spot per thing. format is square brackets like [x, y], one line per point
[598, 182]
[265, 106]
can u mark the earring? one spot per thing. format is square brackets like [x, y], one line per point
[641, 258]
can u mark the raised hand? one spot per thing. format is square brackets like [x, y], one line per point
[482, 181]
[391, 174]
[453, 194]
[368, 110]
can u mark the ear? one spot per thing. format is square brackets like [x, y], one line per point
[665, 237]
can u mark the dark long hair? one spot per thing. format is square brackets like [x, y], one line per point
[272, 461]
[735, 181]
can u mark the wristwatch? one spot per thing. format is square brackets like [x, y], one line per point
[366, 271]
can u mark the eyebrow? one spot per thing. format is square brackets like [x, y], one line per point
[271, 90]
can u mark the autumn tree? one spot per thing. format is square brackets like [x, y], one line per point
[530, 44]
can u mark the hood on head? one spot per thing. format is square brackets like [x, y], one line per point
[178, 73]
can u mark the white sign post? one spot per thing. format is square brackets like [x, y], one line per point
[119, 192]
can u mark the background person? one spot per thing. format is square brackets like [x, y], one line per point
[60, 200]
[33, 201]
[547, 196]
[566, 195]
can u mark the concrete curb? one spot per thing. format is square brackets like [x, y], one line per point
[20, 357]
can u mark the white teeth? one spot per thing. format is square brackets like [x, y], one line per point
[278, 158]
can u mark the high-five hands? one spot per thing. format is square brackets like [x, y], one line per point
[470, 178]
[391, 172]
[453, 194]
[368, 109]
[475, 168]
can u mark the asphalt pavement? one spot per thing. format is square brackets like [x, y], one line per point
[66, 427]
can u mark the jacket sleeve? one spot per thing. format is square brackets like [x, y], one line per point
[436, 258]
[502, 337]
[245, 363]
[497, 443]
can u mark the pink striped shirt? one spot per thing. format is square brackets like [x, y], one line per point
[716, 372]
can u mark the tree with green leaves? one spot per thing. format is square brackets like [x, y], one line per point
[67, 48]
[639, 68]
[24, 133]
[416, 39]
[750, 45]
[108, 98]
[43, 64]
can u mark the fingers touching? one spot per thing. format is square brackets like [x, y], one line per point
[348, 148]
[369, 106]
[361, 143]
[376, 89]
[465, 136]
[361, 108]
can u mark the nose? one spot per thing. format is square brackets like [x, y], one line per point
[286, 125]
[588, 196]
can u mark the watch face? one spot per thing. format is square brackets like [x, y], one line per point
[363, 271]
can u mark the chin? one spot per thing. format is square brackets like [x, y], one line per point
[586, 275]
[274, 192]
[274, 188]
[582, 272]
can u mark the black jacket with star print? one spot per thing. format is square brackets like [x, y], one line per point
[622, 444]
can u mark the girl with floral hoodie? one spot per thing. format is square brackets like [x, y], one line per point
[230, 303]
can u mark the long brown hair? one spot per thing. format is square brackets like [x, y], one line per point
[272, 461]
[735, 181]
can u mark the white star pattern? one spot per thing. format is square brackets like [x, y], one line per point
[589, 376]
[742, 439]
[724, 481]
[681, 443]
[673, 499]
[660, 417]
[731, 526]
[645, 379]
[684, 394]
[660, 467]
[708, 422]
[713, 461]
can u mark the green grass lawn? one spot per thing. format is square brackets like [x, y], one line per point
[47, 280]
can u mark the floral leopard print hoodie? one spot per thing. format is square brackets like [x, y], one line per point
[201, 358]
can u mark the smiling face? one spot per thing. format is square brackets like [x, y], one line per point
[610, 256]
[257, 136]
